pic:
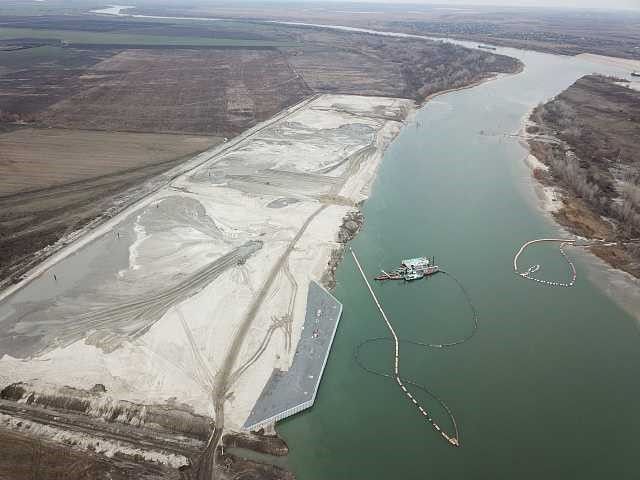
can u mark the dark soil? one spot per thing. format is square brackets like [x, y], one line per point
[268, 444]
[232, 467]
[351, 225]
[26, 458]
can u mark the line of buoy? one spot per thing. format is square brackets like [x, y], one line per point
[452, 439]
[536, 268]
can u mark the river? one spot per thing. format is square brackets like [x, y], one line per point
[548, 386]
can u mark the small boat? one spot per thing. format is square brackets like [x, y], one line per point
[413, 276]
[487, 47]
[635, 74]
[411, 269]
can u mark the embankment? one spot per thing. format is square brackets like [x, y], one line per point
[589, 165]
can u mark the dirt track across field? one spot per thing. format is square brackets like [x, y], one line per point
[53, 182]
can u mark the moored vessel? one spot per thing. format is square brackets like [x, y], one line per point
[411, 269]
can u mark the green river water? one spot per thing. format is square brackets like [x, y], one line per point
[547, 389]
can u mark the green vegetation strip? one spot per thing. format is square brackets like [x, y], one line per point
[101, 38]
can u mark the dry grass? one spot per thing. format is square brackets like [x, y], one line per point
[565, 31]
[328, 69]
[219, 92]
[31, 159]
[597, 121]
[27, 458]
[352, 63]
[577, 216]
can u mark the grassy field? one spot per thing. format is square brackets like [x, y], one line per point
[103, 38]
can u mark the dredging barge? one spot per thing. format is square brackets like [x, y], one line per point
[411, 269]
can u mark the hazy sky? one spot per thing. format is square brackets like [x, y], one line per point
[607, 4]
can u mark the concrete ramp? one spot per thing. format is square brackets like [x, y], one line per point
[290, 392]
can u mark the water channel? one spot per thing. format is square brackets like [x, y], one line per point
[548, 387]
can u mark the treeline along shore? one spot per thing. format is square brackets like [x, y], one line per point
[587, 138]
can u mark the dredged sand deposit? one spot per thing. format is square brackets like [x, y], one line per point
[173, 297]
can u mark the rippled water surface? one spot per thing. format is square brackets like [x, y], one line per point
[549, 385]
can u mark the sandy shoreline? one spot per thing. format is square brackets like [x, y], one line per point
[472, 85]
[289, 202]
[190, 179]
[549, 197]
[622, 287]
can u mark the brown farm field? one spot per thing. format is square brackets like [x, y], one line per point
[220, 92]
[223, 92]
[32, 79]
[566, 31]
[53, 182]
[84, 156]
[34, 159]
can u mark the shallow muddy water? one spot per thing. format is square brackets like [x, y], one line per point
[547, 388]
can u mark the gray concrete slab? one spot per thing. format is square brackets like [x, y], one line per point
[287, 393]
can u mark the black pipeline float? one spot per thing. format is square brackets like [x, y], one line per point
[452, 438]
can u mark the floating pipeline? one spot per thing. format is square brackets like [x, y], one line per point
[453, 438]
[536, 268]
